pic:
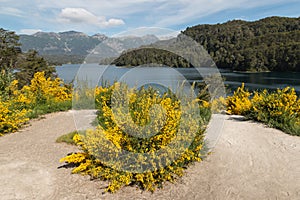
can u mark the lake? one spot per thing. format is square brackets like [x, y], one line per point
[253, 81]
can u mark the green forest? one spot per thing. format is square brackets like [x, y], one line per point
[270, 44]
[15, 64]
[150, 55]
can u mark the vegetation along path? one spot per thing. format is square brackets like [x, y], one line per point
[250, 161]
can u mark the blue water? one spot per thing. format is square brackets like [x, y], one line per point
[253, 81]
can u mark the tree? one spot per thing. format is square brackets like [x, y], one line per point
[9, 49]
[30, 63]
[267, 44]
[15, 64]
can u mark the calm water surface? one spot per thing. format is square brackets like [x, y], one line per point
[253, 81]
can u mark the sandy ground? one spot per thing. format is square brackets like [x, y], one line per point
[249, 161]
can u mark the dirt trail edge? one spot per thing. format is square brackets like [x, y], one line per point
[250, 161]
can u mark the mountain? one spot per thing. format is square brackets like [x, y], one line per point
[269, 44]
[124, 43]
[59, 48]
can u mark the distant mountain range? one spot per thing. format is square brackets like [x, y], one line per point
[269, 44]
[74, 46]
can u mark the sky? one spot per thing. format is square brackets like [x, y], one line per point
[115, 16]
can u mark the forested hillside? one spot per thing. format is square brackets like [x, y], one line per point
[270, 44]
[150, 55]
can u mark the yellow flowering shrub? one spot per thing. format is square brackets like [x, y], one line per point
[239, 103]
[45, 95]
[10, 118]
[41, 96]
[133, 145]
[216, 105]
[46, 89]
[280, 109]
[12, 114]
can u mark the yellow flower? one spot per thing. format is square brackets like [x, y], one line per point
[239, 103]
[111, 137]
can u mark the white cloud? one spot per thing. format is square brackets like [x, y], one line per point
[114, 22]
[11, 11]
[164, 13]
[106, 8]
[82, 16]
[187, 10]
[95, 15]
[77, 15]
[29, 31]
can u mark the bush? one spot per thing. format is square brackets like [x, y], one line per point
[46, 90]
[12, 114]
[239, 103]
[40, 97]
[217, 105]
[11, 119]
[104, 150]
[280, 109]
[6, 77]
[44, 96]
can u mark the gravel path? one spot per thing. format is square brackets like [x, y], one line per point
[250, 161]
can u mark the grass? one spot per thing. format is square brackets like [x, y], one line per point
[42, 109]
[68, 138]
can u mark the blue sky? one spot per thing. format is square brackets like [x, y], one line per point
[114, 16]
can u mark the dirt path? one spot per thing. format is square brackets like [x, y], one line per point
[250, 161]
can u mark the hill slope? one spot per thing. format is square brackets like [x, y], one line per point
[270, 44]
